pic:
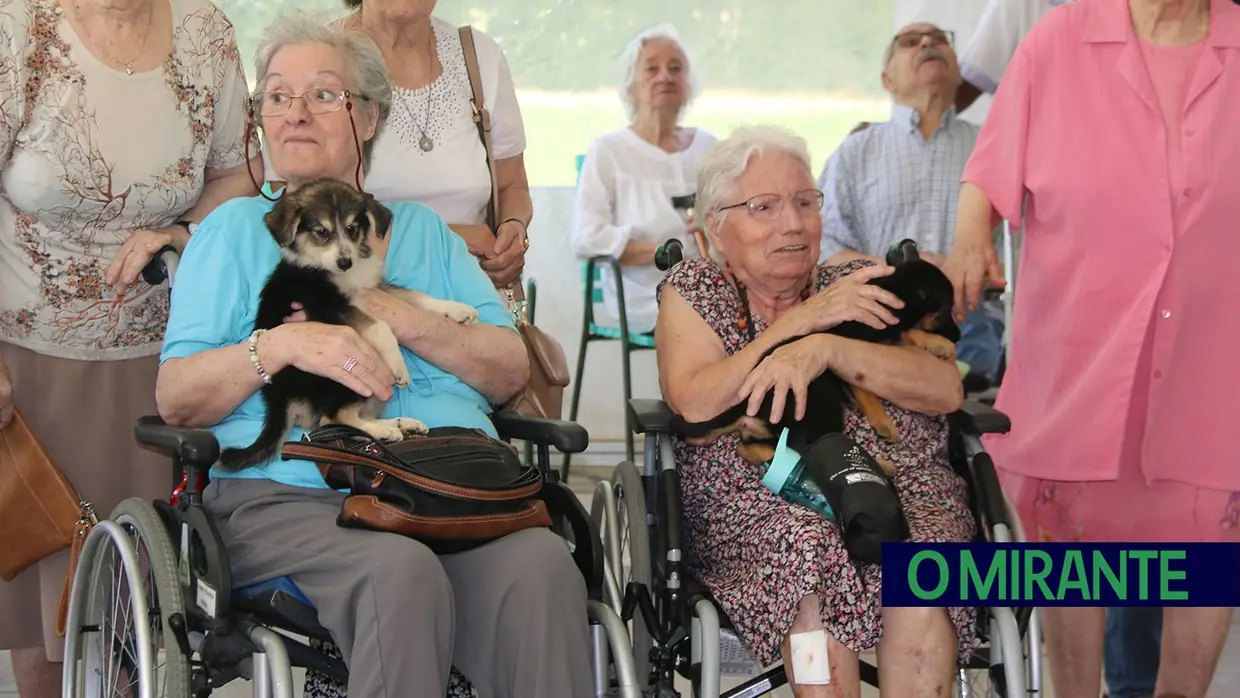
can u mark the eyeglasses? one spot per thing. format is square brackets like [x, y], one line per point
[766, 207]
[912, 39]
[318, 100]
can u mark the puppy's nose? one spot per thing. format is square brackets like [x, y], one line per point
[343, 263]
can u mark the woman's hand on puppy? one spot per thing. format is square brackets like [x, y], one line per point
[849, 299]
[790, 368]
[326, 350]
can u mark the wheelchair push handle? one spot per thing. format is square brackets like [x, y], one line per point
[669, 254]
[163, 265]
[902, 252]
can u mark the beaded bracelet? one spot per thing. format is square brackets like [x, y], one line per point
[258, 365]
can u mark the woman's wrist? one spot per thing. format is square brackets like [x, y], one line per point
[826, 347]
[178, 236]
[265, 352]
[525, 227]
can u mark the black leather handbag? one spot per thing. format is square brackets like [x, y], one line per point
[863, 498]
[452, 489]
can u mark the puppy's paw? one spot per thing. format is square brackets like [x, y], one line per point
[888, 467]
[457, 312]
[400, 370]
[386, 430]
[944, 350]
[411, 427]
[937, 345]
[464, 314]
[886, 429]
[758, 454]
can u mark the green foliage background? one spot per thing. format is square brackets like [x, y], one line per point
[783, 45]
[746, 48]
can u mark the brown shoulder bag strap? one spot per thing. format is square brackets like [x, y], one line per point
[482, 118]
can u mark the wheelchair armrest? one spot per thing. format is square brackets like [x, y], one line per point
[194, 447]
[567, 437]
[976, 418]
[561, 501]
[993, 507]
[652, 416]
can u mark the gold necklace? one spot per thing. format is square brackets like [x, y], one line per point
[77, 13]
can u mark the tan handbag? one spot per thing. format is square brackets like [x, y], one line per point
[40, 511]
[544, 394]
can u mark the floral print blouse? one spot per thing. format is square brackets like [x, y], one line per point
[88, 154]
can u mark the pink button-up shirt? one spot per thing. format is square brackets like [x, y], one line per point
[1128, 288]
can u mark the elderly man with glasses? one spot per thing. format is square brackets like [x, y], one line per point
[900, 179]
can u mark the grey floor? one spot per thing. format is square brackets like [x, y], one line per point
[1226, 681]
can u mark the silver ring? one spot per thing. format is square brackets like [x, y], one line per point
[349, 363]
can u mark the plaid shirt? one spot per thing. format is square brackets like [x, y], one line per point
[887, 183]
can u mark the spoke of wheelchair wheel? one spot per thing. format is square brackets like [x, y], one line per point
[109, 629]
[154, 613]
[118, 651]
[622, 521]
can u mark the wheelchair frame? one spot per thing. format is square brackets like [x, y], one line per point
[213, 638]
[685, 628]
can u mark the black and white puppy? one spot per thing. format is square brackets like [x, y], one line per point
[322, 230]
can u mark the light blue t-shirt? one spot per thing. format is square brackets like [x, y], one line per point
[215, 299]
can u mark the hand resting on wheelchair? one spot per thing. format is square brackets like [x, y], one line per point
[757, 325]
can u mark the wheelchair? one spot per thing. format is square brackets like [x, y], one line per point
[678, 630]
[153, 578]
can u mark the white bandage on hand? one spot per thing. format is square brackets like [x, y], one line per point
[810, 664]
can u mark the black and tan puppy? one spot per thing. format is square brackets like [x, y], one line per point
[322, 230]
[925, 321]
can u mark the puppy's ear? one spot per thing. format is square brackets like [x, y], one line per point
[380, 217]
[282, 221]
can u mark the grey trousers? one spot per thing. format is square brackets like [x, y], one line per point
[511, 615]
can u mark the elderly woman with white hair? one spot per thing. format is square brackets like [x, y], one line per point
[779, 569]
[630, 176]
[510, 614]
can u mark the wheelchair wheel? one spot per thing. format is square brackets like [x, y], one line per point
[125, 590]
[633, 535]
[975, 683]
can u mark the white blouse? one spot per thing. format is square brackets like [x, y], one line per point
[452, 178]
[625, 195]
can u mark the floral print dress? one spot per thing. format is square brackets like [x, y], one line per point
[757, 553]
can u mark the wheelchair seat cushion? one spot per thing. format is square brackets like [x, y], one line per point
[271, 586]
[280, 603]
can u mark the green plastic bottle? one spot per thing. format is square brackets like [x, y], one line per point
[786, 477]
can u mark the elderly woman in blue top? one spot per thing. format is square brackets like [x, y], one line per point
[510, 615]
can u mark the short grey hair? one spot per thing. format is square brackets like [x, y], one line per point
[370, 76]
[633, 52]
[720, 167]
